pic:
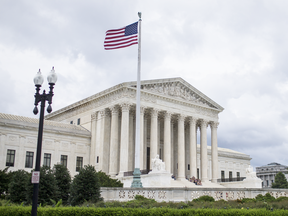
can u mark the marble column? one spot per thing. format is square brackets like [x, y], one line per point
[203, 151]
[153, 135]
[142, 147]
[131, 148]
[181, 148]
[167, 141]
[105, 142]
[214, 151]
[114, 142]
[193, 147]
[124, 139]
[93, 139]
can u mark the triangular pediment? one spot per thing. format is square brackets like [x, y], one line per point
[177, 88]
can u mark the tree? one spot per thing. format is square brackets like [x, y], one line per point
[63, 181]
[106, 181]
[85, 186]
[17, 187]
[47, 187]
[5, 177]
[280, 181]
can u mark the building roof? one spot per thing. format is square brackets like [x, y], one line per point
[21, 121]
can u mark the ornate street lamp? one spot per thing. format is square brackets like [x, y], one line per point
[38, 80]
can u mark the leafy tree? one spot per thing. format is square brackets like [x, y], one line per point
[63, 181]
[280, 181]
[85, 186]
[17, 187]
[107, 181]
[5, 177]
[47, 187]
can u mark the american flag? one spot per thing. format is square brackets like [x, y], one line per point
[121, 38]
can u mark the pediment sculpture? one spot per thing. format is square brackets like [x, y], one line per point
[177, 90]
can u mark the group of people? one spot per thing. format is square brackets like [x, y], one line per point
[195, 181]
[192, 179]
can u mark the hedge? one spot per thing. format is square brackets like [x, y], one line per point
[89, 211]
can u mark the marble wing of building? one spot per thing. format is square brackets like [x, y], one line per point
[100, 130]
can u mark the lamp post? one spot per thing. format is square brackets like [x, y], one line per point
[38, 80]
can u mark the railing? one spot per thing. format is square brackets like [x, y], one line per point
[231, 179]
[130, 173]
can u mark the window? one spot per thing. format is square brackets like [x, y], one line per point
[79, 163]
[198, 173]
[188, 166]
[10, 158]
[29, 159]
[97, 159]
[64, 160]
[230, 176]
[267, 182]
[222, 174]
[71, 122]
[238, 176]
[78, 121]
[47, 160]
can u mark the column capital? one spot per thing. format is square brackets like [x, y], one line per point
[181, 117]
[93, 116]
[214, 125]
[168, 114]
[192, 120]
[114, 109]
[125, 107]
[142, 109]
[103, 113]
[154, 112]
[203, 123]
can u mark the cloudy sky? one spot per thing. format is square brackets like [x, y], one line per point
[233, 51]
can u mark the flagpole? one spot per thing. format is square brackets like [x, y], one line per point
[136, 174]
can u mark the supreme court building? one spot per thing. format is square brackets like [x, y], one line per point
[100, 130]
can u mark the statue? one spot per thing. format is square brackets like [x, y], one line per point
[158, 165]
[249, 173]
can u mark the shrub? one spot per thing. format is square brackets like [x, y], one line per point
[85, 186]
[63, 181]
[5, 178]
[17, 187]
[279, 199]
[204, 199]
[47, 187]
[106, 181]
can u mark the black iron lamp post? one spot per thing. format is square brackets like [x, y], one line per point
[38, 80]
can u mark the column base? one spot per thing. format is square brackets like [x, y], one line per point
[214, 180]
[136, 183]
[120, 174]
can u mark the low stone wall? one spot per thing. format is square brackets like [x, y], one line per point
[187, 194]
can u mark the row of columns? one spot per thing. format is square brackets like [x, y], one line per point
[168, 140]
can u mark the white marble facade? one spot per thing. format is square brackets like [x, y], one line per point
[173, 114]
[101, 130]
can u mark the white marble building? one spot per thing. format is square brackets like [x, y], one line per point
[101, 130]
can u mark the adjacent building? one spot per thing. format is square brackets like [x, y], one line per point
[268, 172]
